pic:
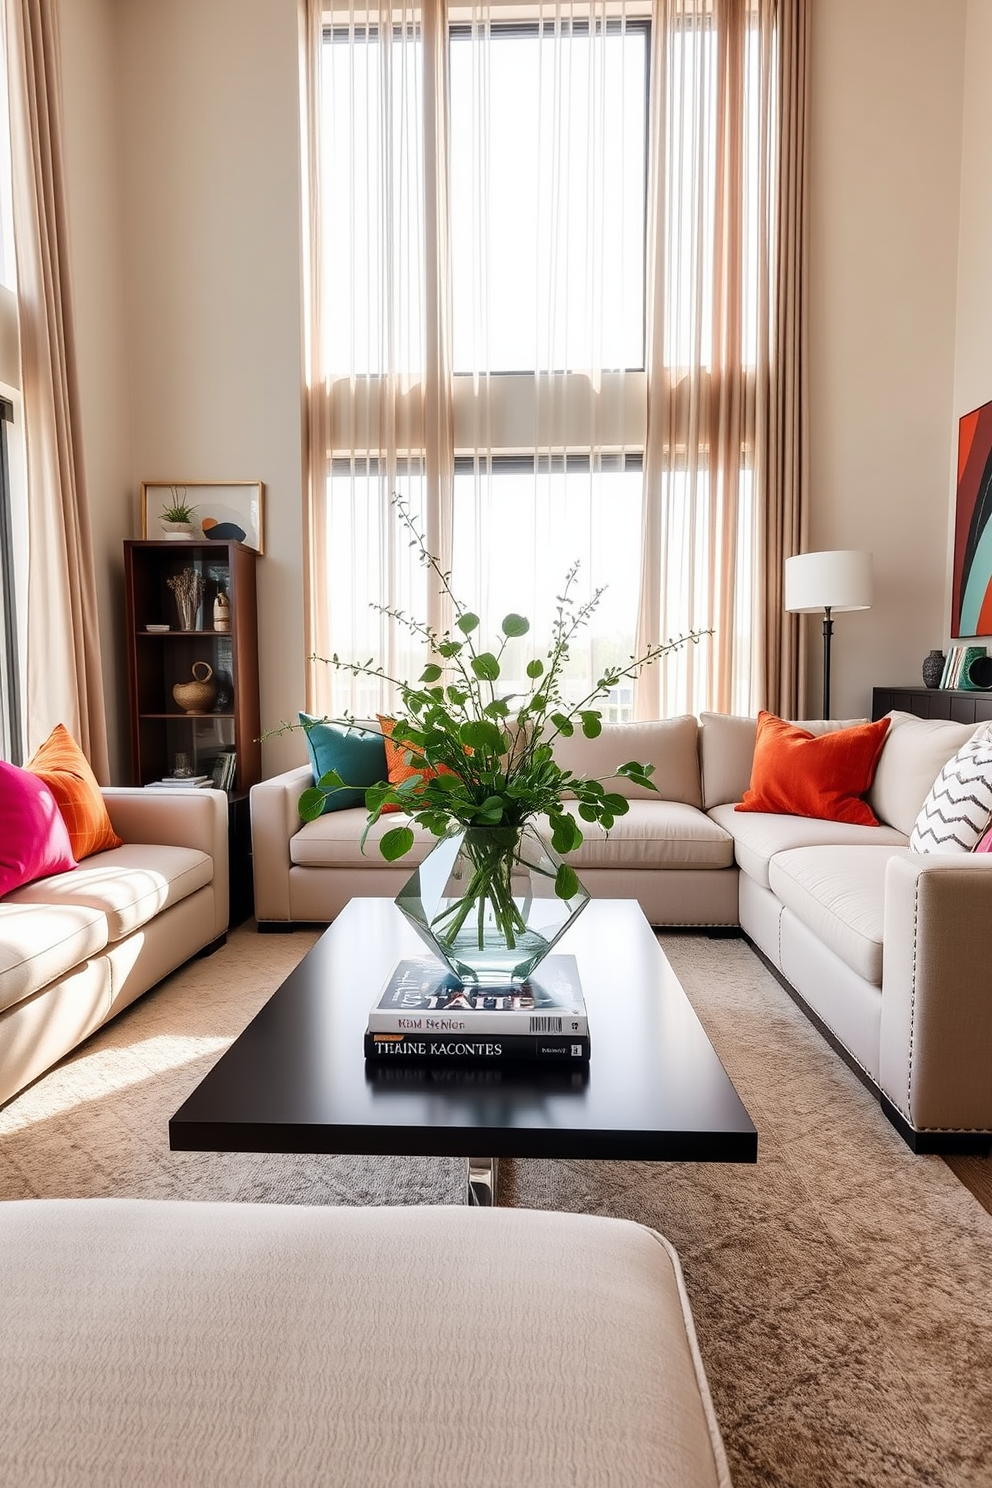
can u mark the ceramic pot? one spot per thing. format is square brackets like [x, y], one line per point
[200, 695]
[933, 668]
[484, 900]
[177, 529]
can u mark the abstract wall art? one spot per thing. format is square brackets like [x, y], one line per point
[971, 593]
[226, 511]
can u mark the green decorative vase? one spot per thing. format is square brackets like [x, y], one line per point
[484, 901]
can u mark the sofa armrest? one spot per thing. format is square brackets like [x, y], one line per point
[275, 818]
[177, 818]
[935, 1057]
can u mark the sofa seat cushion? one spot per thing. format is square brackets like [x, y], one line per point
[206, 1344]
[653, 834]
[129, 884]
[41, 942]
[839, 894]
[759, 836]
[334, 841]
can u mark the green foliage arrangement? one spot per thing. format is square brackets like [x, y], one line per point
[492, 751]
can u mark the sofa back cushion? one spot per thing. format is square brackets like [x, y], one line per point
[670, 744]
[914, 753]
[726, 752]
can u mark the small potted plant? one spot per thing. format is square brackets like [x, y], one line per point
[177, 519]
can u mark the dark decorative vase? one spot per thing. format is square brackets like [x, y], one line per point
[933, 668]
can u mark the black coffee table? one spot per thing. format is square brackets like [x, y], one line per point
[296, 1080]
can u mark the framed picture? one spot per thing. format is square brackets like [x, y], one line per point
[224, 511]
[971, 591]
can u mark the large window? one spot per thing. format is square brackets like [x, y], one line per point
[541, 257]
[547, 244]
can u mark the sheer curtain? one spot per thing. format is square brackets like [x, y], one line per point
[725, 457]
[64, 680]
[550, 364]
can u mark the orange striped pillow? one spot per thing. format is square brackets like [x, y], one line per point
[397, 768]
[61, 764]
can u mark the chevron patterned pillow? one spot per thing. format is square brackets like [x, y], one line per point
[958, 809]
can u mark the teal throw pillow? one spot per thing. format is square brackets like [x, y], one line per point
[358, 755]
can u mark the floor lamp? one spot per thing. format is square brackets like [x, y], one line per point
[828, 582]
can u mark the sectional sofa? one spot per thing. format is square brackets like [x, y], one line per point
[884, 946]
[77, 947]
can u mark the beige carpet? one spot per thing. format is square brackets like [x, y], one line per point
[841, 1287]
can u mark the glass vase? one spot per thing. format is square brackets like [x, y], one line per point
[484, 901]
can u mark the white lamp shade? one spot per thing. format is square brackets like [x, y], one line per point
[828, 581]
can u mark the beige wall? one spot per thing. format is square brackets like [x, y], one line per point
[887, 78]
[212, 242]
[184, 173]
[189, 108]
[973, 339]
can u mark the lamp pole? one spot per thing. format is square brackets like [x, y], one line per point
[828, 630]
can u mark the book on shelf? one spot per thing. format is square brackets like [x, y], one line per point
[438, 1049]
[225, 768]
[423, 999]
[186, 781]
[971, 654]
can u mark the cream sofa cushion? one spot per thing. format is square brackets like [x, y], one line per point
[839, 894]
[206, 1344]
[653, 834]
[726, 751]
[334, 841]
[913, 755]
[670, 744]
[129, 884]
[759, 835]
[41, 942]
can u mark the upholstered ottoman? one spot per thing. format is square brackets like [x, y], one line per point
[251, 1344]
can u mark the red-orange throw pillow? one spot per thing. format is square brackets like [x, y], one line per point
[796, 773]
[64, 768]
[397, 767]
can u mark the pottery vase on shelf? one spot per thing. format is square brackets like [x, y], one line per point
[222, 612]
[200, 695]
[933, 668]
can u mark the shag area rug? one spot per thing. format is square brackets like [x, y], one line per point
[841, 1287]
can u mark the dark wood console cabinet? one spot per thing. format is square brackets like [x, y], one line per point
[955, 704]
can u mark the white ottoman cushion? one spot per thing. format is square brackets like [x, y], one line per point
[232, 1345]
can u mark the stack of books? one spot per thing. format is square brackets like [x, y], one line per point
[424, 1013]
[189, 782]
[957, 665]
[225, 768]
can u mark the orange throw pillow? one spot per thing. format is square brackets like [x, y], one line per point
[64, 768]
[796, 773]
[397, 768]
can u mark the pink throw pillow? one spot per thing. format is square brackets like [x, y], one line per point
[984, 844]
[34, 840]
